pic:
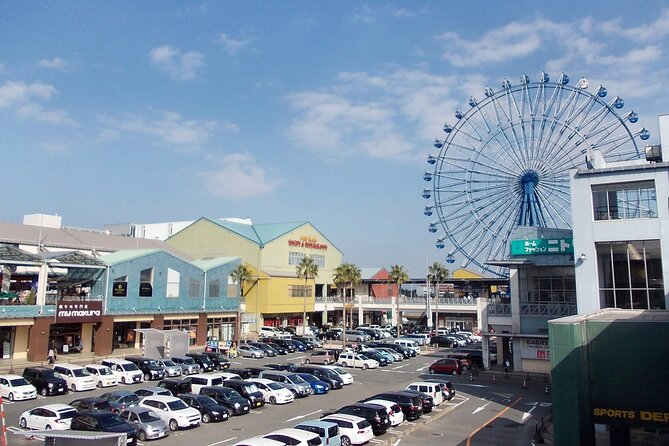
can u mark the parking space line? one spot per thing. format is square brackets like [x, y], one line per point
[223, 441]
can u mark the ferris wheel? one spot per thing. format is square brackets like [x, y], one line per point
[505, 162]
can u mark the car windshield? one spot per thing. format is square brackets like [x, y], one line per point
[130, 367]
[152, 363]
[207, 401]
[18, 382]
[233, 394]
[148, 416]
[363, 424]
[297, 379]
[80, 372]
[274, 386]
[169, 363]
[50, 374]
[251, 388]
[130, 399]
[340, 371]
[176, 405]
[105, 371]
[67, 414]
[110, 419]
[189, 361]
[206, 359]
[308, 377]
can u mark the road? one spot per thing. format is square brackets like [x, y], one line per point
[482, 413]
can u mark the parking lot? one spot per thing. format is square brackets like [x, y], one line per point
[516, 411]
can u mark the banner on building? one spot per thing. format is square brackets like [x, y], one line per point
[78, 311]
[534, 349]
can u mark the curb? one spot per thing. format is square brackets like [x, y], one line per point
[418, 424]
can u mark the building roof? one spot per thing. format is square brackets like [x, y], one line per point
[208, 263]
[74, 239]
[616, 315]
[372, 273]
[126, 255]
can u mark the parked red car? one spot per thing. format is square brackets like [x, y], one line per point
[446, 365]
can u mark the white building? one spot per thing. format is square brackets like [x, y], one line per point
[620, 221]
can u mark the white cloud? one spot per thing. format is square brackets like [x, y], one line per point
[230, 45]
[56, 63]
[239, 177]
[653, 32]
[167, 127]
[21, 98]
[53, 148]
[179, 65]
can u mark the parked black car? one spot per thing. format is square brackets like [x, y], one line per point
[104, 422]
[203, 360]
[150, 368]
[286, 344]
[306, 340]
[411, 405]
[288, 366]
[230, 398]
[323, 373]
[220, 360]
[406, 352]
[255, 371]
[442, 341]
[245, 373]
[375, 414]
[91, 403]
[246, 390]
[427, 400]
[46, 381]
[208, 407]
[279, 348]
[332, 335]
[300, 346]
[177, 387]
[268, 349]
[378, 357]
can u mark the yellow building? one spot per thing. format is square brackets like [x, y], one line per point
[275, 295]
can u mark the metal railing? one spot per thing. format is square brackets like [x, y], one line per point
[408, 300]
[499, 309]
[557, 309]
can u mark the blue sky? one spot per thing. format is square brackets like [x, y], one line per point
[116, 112]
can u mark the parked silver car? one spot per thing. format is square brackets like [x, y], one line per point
[171, 368]
[187, 364]
[148, 424]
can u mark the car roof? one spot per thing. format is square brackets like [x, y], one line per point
[11, 376]
[137, 409]
[56, 407]
[295, 433]
[344, 416]
[423, 383]
[319, 423]
[97, 366]
[162, 398]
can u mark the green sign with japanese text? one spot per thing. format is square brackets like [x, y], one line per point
[542, 246]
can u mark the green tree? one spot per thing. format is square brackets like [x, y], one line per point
[306, 269]
[347, 274]
[399, 276]
[438, 273]
[240, 275]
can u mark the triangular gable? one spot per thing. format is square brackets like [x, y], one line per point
[126, 255]
[209, 263]
[272, 231]
[462, 273]
[374, 273]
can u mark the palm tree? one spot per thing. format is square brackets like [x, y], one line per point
[354, 278]
[240, 275]
[438, 273]
[347, 274]
[398, 275]
[306, 269]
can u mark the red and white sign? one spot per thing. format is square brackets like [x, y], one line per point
[535, 349]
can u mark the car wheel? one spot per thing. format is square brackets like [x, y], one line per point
[73, 387]
[99, 383]
[44, 391]
[147, 377]
[344, 364]
[11, 397]
[365, 366]
[123, 380]
[345, 441]
[455, 372]
[431, 371]
[206, 418]
[23, 423]
[47, 427]
[141, 435]
[272, 400]
[173, 425]
[306, 361]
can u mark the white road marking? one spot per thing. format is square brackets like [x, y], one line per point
[397, 442]
[472, 385]
[223, 441]
[393, 431]
[528, 414]
[422, 368]
[299, 417]
[374, 440]
[480, 408]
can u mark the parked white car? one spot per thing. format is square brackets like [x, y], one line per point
[352, 429]
[346, 377]
[356, 360]
[431, 388]
[173, 411]
[295, 437]
[103, 375]
[394, 411]
[76, 376]
[15, 387]
[274, 392]
[125, 371]
[272, 332]
[259, 441]
[51, 416]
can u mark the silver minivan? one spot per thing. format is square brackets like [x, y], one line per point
[292, 381]
[148, 424]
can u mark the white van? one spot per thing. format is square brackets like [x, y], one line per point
[103, 375]
[408, 343]
[431, 388]
[200, 380]
[76, 376]
[271, 332]
[125, 371]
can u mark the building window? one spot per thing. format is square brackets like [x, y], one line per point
[173, 278]
[295, 257]
[319, 260]
[120, 287]
[624, 201]
[630, 275]
[146, 282]
[215, 288]
[299, 291]
[547, 284]
[194, 288]
[233, 289]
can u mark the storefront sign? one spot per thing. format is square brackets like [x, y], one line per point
[542, 246]
[79, 311]
[604, 413]
[534, 349]
[145, 289]
[120, 289]
[308, 242]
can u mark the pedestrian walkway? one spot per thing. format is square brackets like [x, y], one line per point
[17, 365]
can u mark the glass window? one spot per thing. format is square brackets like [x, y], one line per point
[215, 288]
[624, 201]
[194, 288]
[146, 282]
[295, 257]
[173, 278]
